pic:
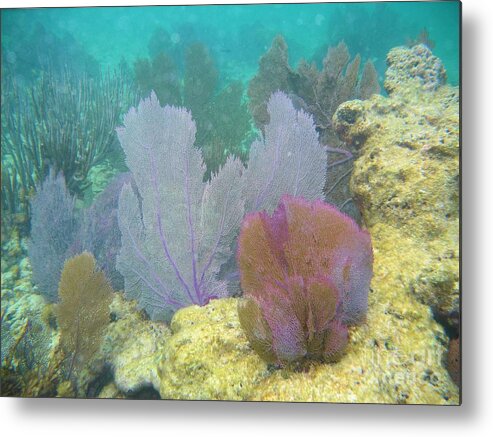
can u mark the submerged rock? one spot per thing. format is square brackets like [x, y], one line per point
[395, 357]
[416, 64]
[208, 355]
[406, 182]
[133, 347]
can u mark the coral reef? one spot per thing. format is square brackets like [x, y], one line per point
[65, 121]
[178, 234]
[15, 201]
[158, 75]
[54, 226]
[181, 231]
[287, 160]
[305, 274]
[99, 233]
[59, 231]
[318, 93]
[224, 128]
[273, 75]
[133, 346]
[207, 355]
[406, 180]
[27, 338]
[33, 361]
[29, 357]
[200, 80]
[327, 315]
[416, 63]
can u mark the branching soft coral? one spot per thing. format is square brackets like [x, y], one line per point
[305, 273]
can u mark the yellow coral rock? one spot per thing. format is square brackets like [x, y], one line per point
[395, 357]
[133, 346]
[208, 356]
[406, 179]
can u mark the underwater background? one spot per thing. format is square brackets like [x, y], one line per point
[237, 35]
[153, 161]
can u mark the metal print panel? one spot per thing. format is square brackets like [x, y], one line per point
[237, 202]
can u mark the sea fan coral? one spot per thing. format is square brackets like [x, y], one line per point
[84, 310]
[287, 160]
[305, 273]
[178, 234]
[99, 233]
[54, 225]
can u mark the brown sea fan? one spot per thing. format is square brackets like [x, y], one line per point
[83, 312]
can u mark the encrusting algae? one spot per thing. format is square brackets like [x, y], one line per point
[395, 357]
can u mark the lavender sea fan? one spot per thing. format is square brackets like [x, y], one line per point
[289, 160]
[99, 233]
[176, 238]
[54, 225]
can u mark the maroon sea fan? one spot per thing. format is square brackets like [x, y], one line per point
[305, 274]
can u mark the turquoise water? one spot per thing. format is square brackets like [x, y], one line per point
[238, 35]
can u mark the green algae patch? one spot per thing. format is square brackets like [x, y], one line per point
[407, 178]
[395, 357]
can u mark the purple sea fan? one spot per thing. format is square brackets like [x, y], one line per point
[288, 160]
[176, 236]
[305, 274]
[99, 233]
[54, 226]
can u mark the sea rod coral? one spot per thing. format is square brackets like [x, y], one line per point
[305, 273]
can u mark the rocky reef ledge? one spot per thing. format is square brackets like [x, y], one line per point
[406, 179]
[394, 358]
[406, 182]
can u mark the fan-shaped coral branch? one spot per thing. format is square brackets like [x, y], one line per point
[305, 274]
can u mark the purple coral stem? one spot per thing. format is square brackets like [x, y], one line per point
[167, 298]
[348, 156]
[141, 256]
[161, 232]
